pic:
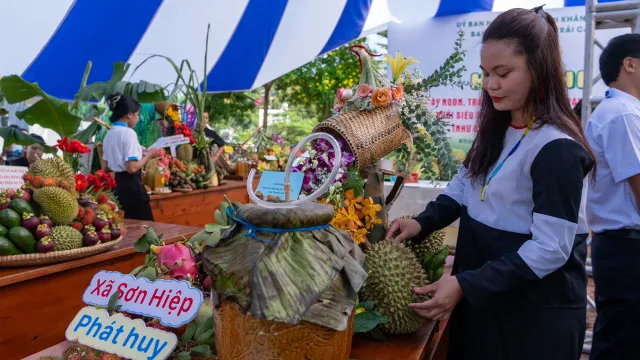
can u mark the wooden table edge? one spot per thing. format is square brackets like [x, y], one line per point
[231, 184]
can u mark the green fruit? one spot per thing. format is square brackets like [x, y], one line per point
[184, 152]
[10, 218]
[427, 261]
[430, 245]
[206, 186]
[3, 231]
[393, 273]
[437, 274]
[20, 206]
[198, 185]
[66, 238]
[53, 168]
[23, 239]
[7, 247]
[439, 260]
[59, 205]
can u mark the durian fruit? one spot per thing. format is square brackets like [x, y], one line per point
[184, 152]
[53, 168]
[431, 245]
[66, 238]
[59, 205]
[393, 273]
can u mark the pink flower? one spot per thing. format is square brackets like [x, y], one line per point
[363, 90]
[337, 107]
[347, 94]
[339, 94]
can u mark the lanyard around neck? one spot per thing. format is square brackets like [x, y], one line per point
[483, 189]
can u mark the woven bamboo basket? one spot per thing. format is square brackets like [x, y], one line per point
[370, 135]
[56, 256]
[244, 337]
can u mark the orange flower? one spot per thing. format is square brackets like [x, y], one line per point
[398, 92]
[381, 97]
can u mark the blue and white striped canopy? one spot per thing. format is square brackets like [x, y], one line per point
[251, 41]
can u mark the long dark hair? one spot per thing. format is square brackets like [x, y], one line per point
[534, 33]
[121, 105]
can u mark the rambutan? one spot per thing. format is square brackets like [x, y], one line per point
[88, 217]
[65, 184]
[80, 213]
[37, 182]
[102, 198]
[50, 182]
[27, 177]
[77, 225]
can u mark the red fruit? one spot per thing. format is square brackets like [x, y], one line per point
[27, 177]
[80, 213]
[37, 182]
[65, 184]
[10, 194]
[5, 203]
[102, 198]
[77, 225]
[112, 206]
[90, 238]
[88, 217]
[104, 235]
[206, 284]
[45, 245]
[30, 221]
[45, 220]
[50, 182]
[42, 231]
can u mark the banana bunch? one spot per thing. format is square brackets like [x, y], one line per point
[433, 264]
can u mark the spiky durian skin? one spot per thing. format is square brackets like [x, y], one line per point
[53, 168]
[393, 273]
[58, 204]
[432, 244]
[66, 238]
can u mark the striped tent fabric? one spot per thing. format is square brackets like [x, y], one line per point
[251, 42]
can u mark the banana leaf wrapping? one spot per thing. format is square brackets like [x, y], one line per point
[289, 276]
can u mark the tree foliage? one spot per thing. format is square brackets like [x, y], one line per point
[231, 109]
[314, 85]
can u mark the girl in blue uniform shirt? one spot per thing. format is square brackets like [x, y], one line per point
[518, 285]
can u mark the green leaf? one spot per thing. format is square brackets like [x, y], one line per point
[201, 351]
[183, 356]
[48, 112]
[87, 134]
[203, 327]
[142, 245]
[113, 300]
[369, 305]
[205, 338]
[211, 227]
[214, 237]
[365, 321]
[191, 330]
[13, 136]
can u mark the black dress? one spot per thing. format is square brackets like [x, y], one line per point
[132, 196]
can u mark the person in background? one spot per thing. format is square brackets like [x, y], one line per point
[122, 154]
[216, 139]
[31, 154]
[613, 130]
[518, 284]
[14, 151]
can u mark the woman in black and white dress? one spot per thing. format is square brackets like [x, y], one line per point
[518, 289]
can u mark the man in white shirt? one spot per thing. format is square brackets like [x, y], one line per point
[613, 132]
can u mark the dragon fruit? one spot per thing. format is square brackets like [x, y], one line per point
[170, 256]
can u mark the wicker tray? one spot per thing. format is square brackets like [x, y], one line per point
[56, 256]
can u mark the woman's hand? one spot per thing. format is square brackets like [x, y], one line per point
[153, 152]
[403, 229]
[447, 294]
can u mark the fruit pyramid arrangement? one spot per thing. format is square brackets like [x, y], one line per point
[46, 214]
[188, 175]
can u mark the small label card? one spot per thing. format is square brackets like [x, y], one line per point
[272, 183]
[173, 302]
[11, 176]
[120, 335]
[170, 141]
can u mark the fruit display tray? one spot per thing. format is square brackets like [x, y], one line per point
[56, 256]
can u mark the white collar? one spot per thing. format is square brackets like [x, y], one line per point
[623, 96]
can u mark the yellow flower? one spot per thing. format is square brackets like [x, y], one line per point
[359, 236]
[381, 97]
[371, 222]
[360, 310]
[173, 114]
[350, 199]
[399, 64]
[349, 219]
[370, 208]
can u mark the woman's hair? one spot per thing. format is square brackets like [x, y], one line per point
[532, 33]
[121, 105]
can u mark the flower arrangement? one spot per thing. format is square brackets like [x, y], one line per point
[184, 129]
[356, 215]
[317, 167]
[71, 151]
